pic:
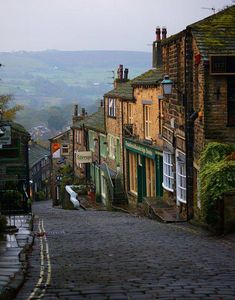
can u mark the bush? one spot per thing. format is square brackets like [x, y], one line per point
[217, 177]
[39, 196]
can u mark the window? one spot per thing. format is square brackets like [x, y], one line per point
[130, 113]
[111, 107]
[150, 177]
[103, 146]
[133, 172]
[112, 146]
[181, 179]
[91, 136]
[78, 136]
[231, 101]
[168, 176]
[147, 121]
[65, 149]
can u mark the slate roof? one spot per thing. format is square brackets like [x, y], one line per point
[36, 153]
[151, 77]
[216, 34]
[96, 121]
[125, 90]
[16, 126]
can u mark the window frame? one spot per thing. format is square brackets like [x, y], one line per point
[147, 122]
[181, 179]
[133, 181]
[111, 146]
[65, 149]
[168, 171]
[130, 113]
[112, 107]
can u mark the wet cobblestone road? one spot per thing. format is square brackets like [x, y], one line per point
[110, 255]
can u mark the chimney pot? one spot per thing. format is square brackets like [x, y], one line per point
[158, 34]
[164, 32]
[126, 74]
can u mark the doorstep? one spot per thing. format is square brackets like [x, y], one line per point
[158, 209]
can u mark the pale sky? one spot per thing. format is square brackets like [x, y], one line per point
[34, 25]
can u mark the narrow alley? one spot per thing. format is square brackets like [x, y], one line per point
[111, 255]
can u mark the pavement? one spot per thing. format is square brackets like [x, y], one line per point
[13, 258]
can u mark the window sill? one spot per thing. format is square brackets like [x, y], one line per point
[181, 201]
[112, 117]
[131, 193]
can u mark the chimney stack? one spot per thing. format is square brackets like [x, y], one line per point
[126, 74]
[120, 72]
[101, 103]
[75, 110]
[158, 34]
[83, 112]
[164, 32]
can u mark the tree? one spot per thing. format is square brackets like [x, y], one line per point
[7, 111]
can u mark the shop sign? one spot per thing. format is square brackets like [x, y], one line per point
[5, 135]
[141, 149]
[83, 157]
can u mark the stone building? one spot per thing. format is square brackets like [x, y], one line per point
[200, 62]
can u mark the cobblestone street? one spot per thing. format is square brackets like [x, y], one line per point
[111, 255]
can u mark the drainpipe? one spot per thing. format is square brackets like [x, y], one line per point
[123, 158]
[73, 161]
[189, 123]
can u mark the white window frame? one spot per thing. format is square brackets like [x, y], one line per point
[112, 146]
[168, 174]
[112, 107]
[180, 178]
[147, 122]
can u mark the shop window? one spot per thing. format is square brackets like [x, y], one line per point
[150, 177]
[147, 122]
[133, 172]
[168, 175]
[181, 179]
[111, 107]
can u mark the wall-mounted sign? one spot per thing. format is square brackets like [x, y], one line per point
[83, 157]
[55, 148]
[5, 135]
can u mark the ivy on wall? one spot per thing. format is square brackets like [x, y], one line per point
[217, 177]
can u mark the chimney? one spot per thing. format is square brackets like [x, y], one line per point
[101, 103]
[158, 34]
[157, 49]
[83, 112]
[120, 72]
[126, 74]
[75, 110]
[164, 32]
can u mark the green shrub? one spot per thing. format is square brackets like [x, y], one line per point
[217, 177]
[39, 196]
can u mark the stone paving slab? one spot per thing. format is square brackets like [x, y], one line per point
[11, 253]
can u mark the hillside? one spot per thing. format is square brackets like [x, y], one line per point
[40, 80]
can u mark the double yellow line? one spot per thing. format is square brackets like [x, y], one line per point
[45, 265]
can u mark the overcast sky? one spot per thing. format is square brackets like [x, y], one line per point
[95, 24]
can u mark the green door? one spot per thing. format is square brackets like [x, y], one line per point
[141, 178]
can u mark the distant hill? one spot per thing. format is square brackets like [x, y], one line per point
[39, 80]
